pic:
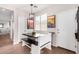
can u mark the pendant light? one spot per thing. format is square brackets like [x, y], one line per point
[31, 14]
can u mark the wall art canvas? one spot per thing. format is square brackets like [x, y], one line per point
[51, 21]
[30, 23]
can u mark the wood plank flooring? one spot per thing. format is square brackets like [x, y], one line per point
[6, 47]
[5, 40]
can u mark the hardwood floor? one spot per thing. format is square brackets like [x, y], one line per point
[6, 47]
[57, 50]
[5, 40]
[16, 49]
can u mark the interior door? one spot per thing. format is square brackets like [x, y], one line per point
[66, 29]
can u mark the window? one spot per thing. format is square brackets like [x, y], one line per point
[44, 22]
[41, 22]
[1, 25]
[37, 22]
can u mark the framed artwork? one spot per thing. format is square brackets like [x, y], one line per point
[51, 21]
[30, 23]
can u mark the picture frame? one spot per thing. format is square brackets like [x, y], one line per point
[51, 21]
[30, 23]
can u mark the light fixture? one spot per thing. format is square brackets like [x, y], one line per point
[31, 14]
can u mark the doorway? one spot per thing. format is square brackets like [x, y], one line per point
[6, 16]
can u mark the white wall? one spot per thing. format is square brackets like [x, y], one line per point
[15, 28]
[21, 27]
[66, 27]
[18, 25]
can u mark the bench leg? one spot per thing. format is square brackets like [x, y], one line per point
[23, 43]
[35, 49]
[49, 46]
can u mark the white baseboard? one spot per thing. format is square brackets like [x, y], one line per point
[54, 45]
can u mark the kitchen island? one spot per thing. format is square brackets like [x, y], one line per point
[37, 42]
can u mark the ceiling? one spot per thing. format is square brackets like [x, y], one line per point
[5, 15]
[27, 8]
